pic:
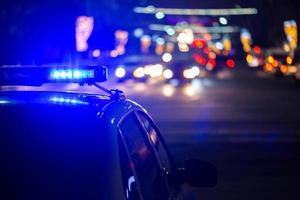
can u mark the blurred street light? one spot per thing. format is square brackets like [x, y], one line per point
[227, 44]
[121, 41]
[159, 15]
[170, 47]
[96, 53]
[114, 53]
[145, 43]
[219, 45]
[170, 31]
[186, 36]
[138, 32]
[160, 44]
[290, 29]
[246, 40]
[195, 28]
[204, 12]
[223, 21]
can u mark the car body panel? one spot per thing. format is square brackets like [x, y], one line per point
[109, 112]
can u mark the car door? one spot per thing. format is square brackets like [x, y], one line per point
[151, 182]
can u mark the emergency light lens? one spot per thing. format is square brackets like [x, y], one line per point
[71, 74]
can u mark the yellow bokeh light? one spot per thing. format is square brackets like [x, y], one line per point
[249, 58]
[270, 59]
[289, 60]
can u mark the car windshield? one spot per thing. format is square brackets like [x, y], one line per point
[53, 152]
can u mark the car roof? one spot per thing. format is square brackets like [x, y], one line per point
[51, 97]
[114, 108]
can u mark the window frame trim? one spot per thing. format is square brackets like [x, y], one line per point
[173, 166]
[127, 152]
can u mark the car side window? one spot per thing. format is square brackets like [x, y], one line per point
[144, 162]
[157, 142]
[129, 182]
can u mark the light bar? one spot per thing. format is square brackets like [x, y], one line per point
[36, 76]
[201, 12]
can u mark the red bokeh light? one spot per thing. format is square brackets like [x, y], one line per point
[212, 62]
[230, 63]
[257, 50]
[199, 59]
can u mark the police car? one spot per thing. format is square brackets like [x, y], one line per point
[61, 145]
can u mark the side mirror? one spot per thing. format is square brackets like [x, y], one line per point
[199, 173]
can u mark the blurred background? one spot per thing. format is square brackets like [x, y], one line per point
[221, 78]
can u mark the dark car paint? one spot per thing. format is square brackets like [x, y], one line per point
[111, 112]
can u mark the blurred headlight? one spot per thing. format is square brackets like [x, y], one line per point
[139, 72]
[191, 73]
[168, 74]
[167, 57]
[154, 70]
[195, 70]
[120, 72]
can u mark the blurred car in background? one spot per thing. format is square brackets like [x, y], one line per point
[130, 70]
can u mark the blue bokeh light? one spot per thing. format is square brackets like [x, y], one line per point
[63, 100]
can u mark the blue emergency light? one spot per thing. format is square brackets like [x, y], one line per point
[70, 74]
[36, 76]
